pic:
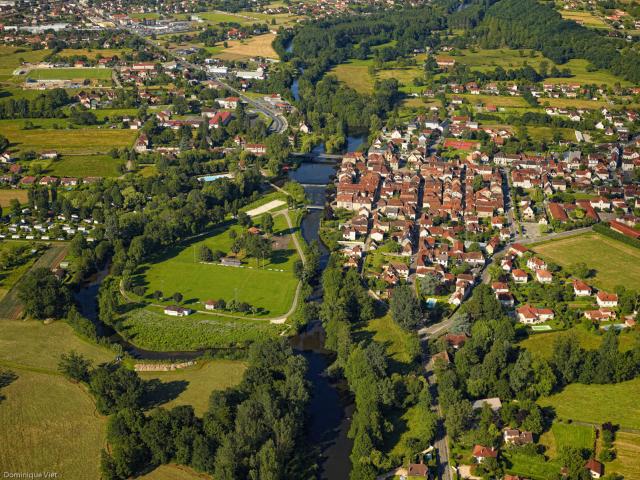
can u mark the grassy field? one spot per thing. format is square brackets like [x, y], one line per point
[535, 468]
[270, 286]
[355, 74]
[12, 57]
[49, 424]
[10, 276]
[70, 74]
[595, 403]
[32, 344]
[259, 46]
[32, 437]
[7, 194]
[92, 53]
[570, 435]
[150, 329]
[542, 343]
[199, 381]
[587, 19]
[615, 263]
[397, 341]
[627, 446]
[73, 141]
[84, 166]
[174, 472]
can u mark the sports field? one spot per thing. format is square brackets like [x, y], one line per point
[258, 46]
[615, 403]
[615, 263]
[70, 74]
[270, 284]
[196, 383]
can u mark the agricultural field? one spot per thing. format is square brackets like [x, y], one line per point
[258, 46]
[269, 284]
[70, 74]
[195, 384]
[84, 141]
[84, 166]
[174, 472]
[8, 194]
[12, 57]
[150, 329]
[542, 343]
[615, 263]
[586, 19]
[33, 438]
[627, 446]
[594, 403]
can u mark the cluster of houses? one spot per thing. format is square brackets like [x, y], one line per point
[428, 207]
[58, 228]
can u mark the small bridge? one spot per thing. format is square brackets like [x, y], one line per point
[315, 207]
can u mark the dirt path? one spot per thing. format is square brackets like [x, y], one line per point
[10, 306]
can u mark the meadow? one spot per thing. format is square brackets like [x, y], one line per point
[355, 74]
[93, 53]
[587, 19]
[615, 403]
[84, 140]
[12, 57]
[269, 284]
[33, 438]
[174, 472]
[399, 344]
[199, 381]
[8, 194]
[615, 263]
[627, 446]
[84, 166]
[149, 328]
[542, 343]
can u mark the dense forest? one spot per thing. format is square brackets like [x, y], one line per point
[530, 24]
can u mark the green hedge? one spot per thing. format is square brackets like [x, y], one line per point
[604, 229]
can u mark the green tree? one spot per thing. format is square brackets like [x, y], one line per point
[74, 366]
[405, 307]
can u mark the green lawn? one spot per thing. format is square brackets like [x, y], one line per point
[85, 166]
[150, 329]
[355, 74]
[270, 285]
[542, 343]
[198, 382]
[570, 435]
[615, 263]
[616, 403]
[533, 467]
[70, 74]
[174, 472]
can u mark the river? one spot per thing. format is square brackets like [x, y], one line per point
[331, 406]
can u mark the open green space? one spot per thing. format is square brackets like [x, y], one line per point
[84, 166]
[174, 472]
[94, 52]
[355, 74]
[35, 345]
[48, 424]
[196, 383]
[12, 57]
[542, 343]
[78, 140]
[572, 435]
[615, 403]
[8, 194]
[400, 344]
[615, 263]
[149, 328]
[626, 463]
[528, 466]
[586, 19]
[22, 258]
[268, 283]
[70, 74]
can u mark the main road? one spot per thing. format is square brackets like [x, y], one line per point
[279, 123]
